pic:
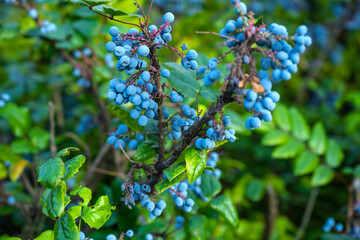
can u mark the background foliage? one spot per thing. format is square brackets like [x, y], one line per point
[308, 155]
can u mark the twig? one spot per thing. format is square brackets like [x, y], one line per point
[350, 208]
[53, 148]
[308, 212]
[110, 173]
[272, 212]
[148, 16]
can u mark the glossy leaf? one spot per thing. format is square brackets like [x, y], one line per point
[334, 155]
[72, 166]
[145, 151]
[195, 162]
[184, 83]
[50, 172]
[225, 207]
[75, 211]
[210, 185]
[113, 11]
[53, 201]
[47, 235]
[165, 184]
[318, 140]
[322, 176]
[305, 163]
[98, 214]
[65, 228]
[66, 151]
[300, 128]
[288, 150]
[84, 193]
[175, 170]
[96, 2]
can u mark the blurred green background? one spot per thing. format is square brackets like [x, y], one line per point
[261, 167]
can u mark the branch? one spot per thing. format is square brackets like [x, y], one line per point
[272, 212]
[350, 208]
[53, 148]
[308, 212]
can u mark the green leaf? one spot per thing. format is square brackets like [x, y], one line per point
[98, 214]
[334, 155]
[288, 150]
[197, 226]
[255, 190]
[72, 166]
[165, 184]
[281, 117]
[54, 201]
[18, 118]
[225, 207]
[178, 67]
[209, 92]
[208, 168]
[96, 2]
[322, 176]
[87, 28]
[66, 151]
[305, 163]
[79, 2]
[300, 128]
[175, 170]
[275, 137]
[195, 163]
[145, 151]
[22, 146]
[65, 228]
[84, 193]
[210, 185]
[184, 83]
[124, 115]
[75, 211]
[50, 172]
[47, 235]
[6, 154]
[318, 141]
[3, 171]
[39, 138]
[113, 11]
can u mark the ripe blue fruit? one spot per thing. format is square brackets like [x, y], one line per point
[143, 50]
[129, 233]
[142, 120]
[191, 55]
[119, 51]
[114, 31]
[110, 46]
[179, 201]
[150, 206]
[168, 17]
[165, 73]
[111, 237]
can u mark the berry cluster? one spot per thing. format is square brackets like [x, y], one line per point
[179, 222]
[4, 98]
[46, 26]
[87, 123]
[178, 124]
[119, 138]
[213, 74]
[179, 193]
[139, 193]
[215, 133]
[331, 224]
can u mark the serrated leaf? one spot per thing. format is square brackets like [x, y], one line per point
[197, 227]
[50, 172]
[305, 163]
[225, 207]
[288, 150]
[66, 151]
[65, 228]
[75, 211]
[300, 128]
[47, 235]
[195, 163]
[334, 155]
[184, 83]
[275, 137]
[84, 193]
[98, 214]
[209, 92]
[124, 115]
[113, 11]
[72, 166]
[165, 184]
[210, 185]
[175, 170]
[255, 190]
[282, 118]
[322, 176]
[145, 151]
[53, 201]
[318, 140]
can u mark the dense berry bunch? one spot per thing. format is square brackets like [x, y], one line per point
[179, 193]
[213, 73]
[331, 224]
[121, 138]
[215, 133]
[4, 98]
[179, 124]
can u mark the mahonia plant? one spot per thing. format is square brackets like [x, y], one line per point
[153, 87]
